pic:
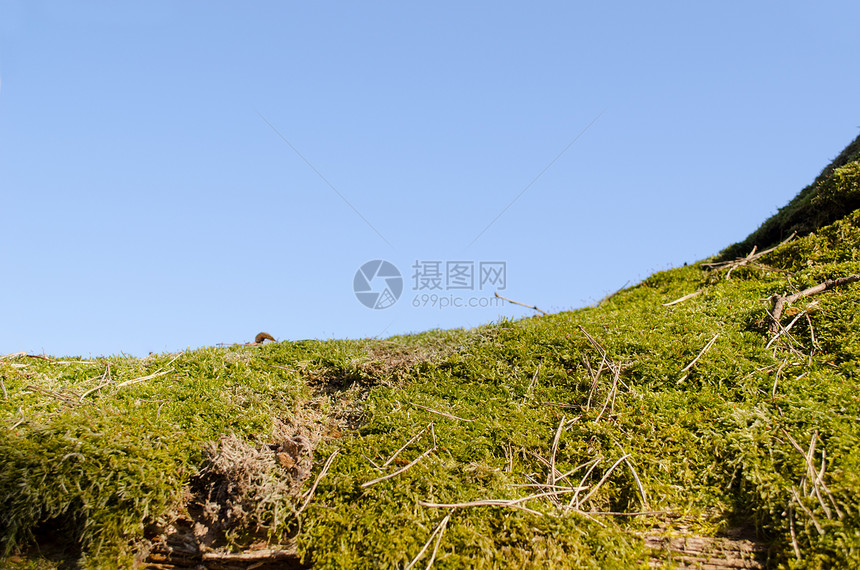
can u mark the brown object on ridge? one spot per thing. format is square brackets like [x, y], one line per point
[263, 336]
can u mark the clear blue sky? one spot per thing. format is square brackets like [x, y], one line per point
[147, 202]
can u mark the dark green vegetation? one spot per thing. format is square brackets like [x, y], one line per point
[832, 196]
[691, 413]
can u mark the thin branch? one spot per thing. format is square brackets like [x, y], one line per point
[603, 480]
[638, 483]
[594, 375]
[372, 462]
[438, 540]
[142, 378]
[534, 380]
[12, 355]
[401, 470]
[41, 356]
[550, 476]
[405, 445]
[816, 477]
[780, 301]
[807, 511]
[593, 342]
[633, 514]
[521, 304]
[704, 350]
[101, 384]
[56, 395]
[437, 532]
[839, 514]
[748, 259]
[793, 532]
[439, 528]
[784, 330]
[252, 559]
[21, 420]
[516, 503]
[776, 378]
[610, 295]
[594, 463]
[313, 488]
[578, 467]
[613, 391]
[815, 344]
[769, 268]
[545, 486]
[559, 476]
[681, 299]
[444, 414]
[762, 369]
[778, 325]
[594, 378]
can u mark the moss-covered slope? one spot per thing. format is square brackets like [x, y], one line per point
[574, 440]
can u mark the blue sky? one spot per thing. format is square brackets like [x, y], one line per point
[181, 174]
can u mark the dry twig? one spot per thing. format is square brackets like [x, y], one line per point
[780, 301]
[610, 295]
[602, 480]
[613, 390]
[313, 488]
[681, 299]
[440, 413]
[749, 260]
[806, 510]
[101, 384]
[41, 356]
[638, 482]
[520, 304]
[784, 330]
[704, 350]
[56, 395]
[793, 533]
[515, 503]
[437, 532]
[406, 467]
[816, 477]
[534, 381]
[405, 445]
[550, 476]
[776, 378]
[595, 376]
[12, 355]
[142, 378]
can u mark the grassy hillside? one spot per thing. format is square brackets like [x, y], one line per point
[677, 411]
